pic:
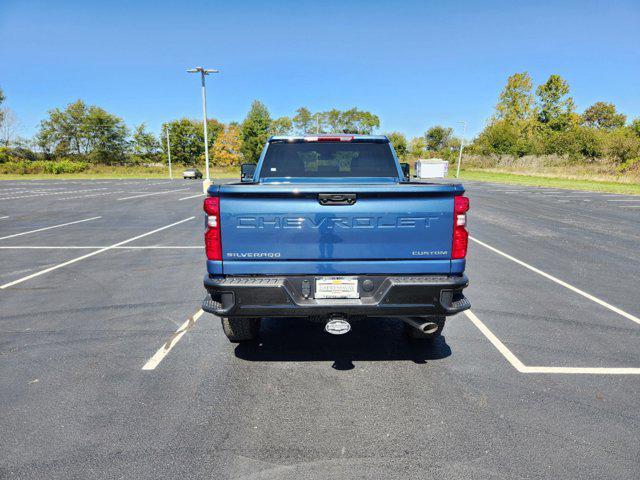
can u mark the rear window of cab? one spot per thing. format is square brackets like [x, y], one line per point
[329, 159]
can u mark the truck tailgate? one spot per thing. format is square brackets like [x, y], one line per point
[400, 228]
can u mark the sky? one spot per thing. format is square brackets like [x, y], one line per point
[413, 63]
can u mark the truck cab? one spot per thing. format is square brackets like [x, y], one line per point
[329, 228]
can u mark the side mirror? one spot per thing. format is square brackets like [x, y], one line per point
[406, 170]
[246, 172]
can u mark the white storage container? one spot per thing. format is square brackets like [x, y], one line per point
[432, 168]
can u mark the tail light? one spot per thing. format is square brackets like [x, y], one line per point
[460, 234]
[212, 242]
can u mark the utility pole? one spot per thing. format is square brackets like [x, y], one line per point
[464, 131]
[203, 73]
[317, 123]
[169, 152]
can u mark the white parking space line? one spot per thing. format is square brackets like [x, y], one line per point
[164, 350]
[568, 195]
[585, 370]
[153, 193]
[560, 195]
[165, 182]
[192, 196]
[502, 348]
[617, 310]
[91, 195]
[91, 247]
[91, 254]
[13, 191]
[6, 216]
[64, 247]
[47, 193]
[522, 368]
[49, 228]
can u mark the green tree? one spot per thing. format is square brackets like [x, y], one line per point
[438, 138]
[516, 99]
[45, 140]
[104, 135]
[281, 126]
[255, 131]
[503, 137]
[622, 145]
[590, 142]
[603, 115]
[399, 142]
[64, 130]
[417, 147]
[555, 106]
[185, 137]
[635, 126]
[303, 121]
[331, 121]
[144, 144]
[87, 131]
[358, 122]
[335, 121]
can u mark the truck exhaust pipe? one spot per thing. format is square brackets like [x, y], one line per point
[425, 327]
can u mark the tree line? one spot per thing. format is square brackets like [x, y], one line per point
[544, 121]
[526, 121]
[88, 134]
[538, 122]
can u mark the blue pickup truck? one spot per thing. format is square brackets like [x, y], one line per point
[330, 227]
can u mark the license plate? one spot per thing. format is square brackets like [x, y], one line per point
[337, 287]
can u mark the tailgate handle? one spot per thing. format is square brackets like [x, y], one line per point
[336, 198]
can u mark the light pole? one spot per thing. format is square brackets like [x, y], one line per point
[169, 152]
[464, 130]
[203, 73]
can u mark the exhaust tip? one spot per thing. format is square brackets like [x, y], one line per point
[430, 327]
[337, 326]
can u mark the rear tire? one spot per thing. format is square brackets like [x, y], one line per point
[415, 334]
[241, 329]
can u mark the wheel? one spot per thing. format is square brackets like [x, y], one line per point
[241, 329]
[184, 178]
[415, 334]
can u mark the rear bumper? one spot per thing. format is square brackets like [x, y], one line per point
[290, 296]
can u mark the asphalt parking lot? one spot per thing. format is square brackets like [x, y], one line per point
[109, 369]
